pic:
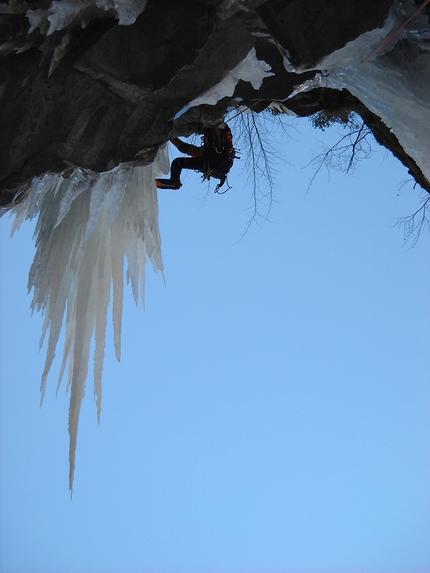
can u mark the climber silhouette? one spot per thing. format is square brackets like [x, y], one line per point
[214, 158]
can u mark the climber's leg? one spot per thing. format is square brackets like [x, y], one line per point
[194, 163]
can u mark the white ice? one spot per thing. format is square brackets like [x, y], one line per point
[87, 225]
[394, 84]
[62, 13]
[250, 69]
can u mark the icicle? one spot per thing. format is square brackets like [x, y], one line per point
[117, 261]
[37, 19]
[62, 13]
[80, 181]
[87, 225]
[59, 53]
[10, 46]
[119, 185]
[27, 46]
[98, 195]
[103, 299]
[129, 10]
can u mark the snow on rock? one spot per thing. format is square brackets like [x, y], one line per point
[87, 224]
[250, 69]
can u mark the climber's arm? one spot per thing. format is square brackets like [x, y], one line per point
[187, 148]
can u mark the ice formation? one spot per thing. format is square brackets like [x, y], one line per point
[86, 225]
[394, 83]
[250, 69]
[61, 13]
[89, 222]
[395, 86]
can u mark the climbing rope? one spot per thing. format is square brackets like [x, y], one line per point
[247, 108]
[396, 31]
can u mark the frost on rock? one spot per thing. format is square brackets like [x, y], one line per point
[86, 226]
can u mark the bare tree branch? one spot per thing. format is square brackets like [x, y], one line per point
[414, 224]
[254, 134]
[346, 152]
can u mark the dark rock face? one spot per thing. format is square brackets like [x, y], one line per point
[312, 30]
[102, 94]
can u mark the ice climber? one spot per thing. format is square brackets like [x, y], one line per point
[214, 158]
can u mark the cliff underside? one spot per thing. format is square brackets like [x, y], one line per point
[91, 92]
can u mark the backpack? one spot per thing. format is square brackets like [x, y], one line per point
[219, 154]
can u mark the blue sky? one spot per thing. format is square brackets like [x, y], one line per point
[271, 408]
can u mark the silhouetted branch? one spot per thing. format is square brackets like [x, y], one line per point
[254, 135]
[414, 224]
[346, 152]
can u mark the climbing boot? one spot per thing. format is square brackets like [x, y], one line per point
[168, 183]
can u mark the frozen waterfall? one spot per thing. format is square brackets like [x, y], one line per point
[392, 79]
[86, 225]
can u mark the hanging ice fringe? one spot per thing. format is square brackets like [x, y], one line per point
[87, 224]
